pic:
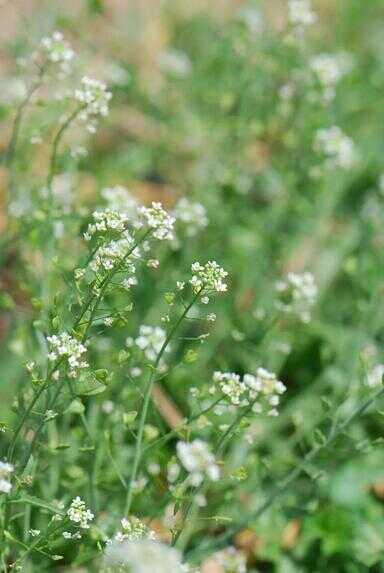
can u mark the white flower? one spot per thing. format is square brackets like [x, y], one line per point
[57, 50]
[174, 62]
[70, 535]
[79, 514]
[209, 277]
[107, 221]
[297, 294]
[329, 69]
[143, 556]
[375, 377]
[231, 560]
[192, 216]
[261, 390]
[337, 147]
[252, 19]
[173, 471]
[120, 199]
[94, 97]
[198, 461]
[133, 529]
[150, 341]
[6, 470]
[65, 346]
[156, 218]
[114, 253]
[300, 13]
[231, 386]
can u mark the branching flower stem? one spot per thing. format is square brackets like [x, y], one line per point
[85, 308]
[147, 399]
[281, 488]
[181, 538]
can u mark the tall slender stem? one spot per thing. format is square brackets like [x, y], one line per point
[147, 398]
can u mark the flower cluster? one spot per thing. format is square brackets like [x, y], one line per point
[94, 97]
[79, 514]
[65, 346]
[57, 50]
[301, 13]
[192, 216]
[133, 529]
[329, 70]
[208, 278]
[231, 386]
[119, 199]
[150, 341]
[297, 294]
[142, 555]
[6, 470]
[113, 253]
[337, 147]
[198, 460]
[108, 220]
[262, 390]
[375, 376]
[231, 560]
[156, 218]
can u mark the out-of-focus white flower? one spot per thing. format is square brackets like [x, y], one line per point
[143, 556]
[150, 341]
[231, 560]
[297, 294]
[329, 70]
[198, 460]
[57, 50]
[119, 199]
[157, 219]
[6, 470]
[94, 97]
[191, 216]
[174, 62]
[375, 376]
[337, 147]
[252, 18]
[173, 471]
[300, 13]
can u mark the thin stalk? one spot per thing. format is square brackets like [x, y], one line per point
[181, 538]
[147, 398]
[10, 153]
[169, 435]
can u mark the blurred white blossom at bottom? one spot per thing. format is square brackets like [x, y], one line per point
[142, 556]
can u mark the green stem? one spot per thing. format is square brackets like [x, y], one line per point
[169, 435]
[182, 536]
[147, 398]
[10, 153]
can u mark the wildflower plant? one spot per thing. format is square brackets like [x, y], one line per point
[167, 384]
